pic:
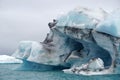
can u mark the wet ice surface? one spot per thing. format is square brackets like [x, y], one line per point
[7, 73]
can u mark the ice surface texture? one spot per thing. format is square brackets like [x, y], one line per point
[111, 24]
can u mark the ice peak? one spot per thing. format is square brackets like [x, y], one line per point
[99, 13]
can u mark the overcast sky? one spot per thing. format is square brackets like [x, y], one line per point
[28, 19]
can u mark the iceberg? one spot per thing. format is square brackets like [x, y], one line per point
[9, 59]
[75, 38]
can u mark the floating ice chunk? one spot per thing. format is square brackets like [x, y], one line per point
[9, 59]
[73, 35]
[91, 68]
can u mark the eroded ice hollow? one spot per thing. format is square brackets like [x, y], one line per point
[75, 38]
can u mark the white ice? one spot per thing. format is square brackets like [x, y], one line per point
[9, 59]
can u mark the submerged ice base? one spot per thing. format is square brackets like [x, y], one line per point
[33, 66]
[75, 38]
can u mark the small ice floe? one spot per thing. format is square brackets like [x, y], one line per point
[93, 67]
[9, 59]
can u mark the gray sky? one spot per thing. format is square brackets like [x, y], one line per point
[28, 19]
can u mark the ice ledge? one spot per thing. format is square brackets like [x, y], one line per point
[89, 73]
[93, 67]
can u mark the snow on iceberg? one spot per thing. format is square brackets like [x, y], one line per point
[9, 59]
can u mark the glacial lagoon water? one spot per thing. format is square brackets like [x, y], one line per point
[8, 72]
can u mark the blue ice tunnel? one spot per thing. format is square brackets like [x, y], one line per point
[95, 50]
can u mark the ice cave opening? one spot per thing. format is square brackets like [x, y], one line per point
[78, 51]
